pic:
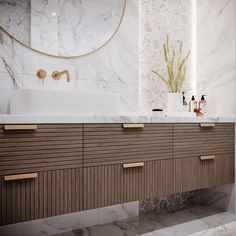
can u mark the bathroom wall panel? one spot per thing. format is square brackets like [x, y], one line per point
[52, 193]
[112, 144]
[50, 147]
[112, 184]
[191, 140]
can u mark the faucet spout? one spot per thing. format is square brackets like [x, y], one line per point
[56, 75]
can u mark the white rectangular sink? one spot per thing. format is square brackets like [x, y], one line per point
[60, 102]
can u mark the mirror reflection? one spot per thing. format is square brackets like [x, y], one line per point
[62, 27]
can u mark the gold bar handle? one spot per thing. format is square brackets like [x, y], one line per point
[207, 125]
[205, 158]
[133, 165]
[20, 176]
[133, 126]
[20, 127]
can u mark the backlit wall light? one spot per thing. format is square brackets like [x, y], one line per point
[194, 47]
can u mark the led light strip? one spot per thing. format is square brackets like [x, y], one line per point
[194, 47]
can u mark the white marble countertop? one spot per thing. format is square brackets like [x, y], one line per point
[27, 119]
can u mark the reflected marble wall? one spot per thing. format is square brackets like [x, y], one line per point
[19, 25]
[158, 18]
[216, 55]
[67, 27]
[111, 69]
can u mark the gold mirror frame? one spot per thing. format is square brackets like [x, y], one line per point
[70, 57]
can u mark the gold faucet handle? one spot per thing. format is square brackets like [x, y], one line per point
[41, 74]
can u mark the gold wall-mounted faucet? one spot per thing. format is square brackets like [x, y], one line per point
[56, 75]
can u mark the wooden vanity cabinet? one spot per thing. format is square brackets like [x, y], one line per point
[203, 155]
[30, 148]
[113, 184]
[106, 144]
[48, 170]
[125, 163]
[191, 140]
[51, 193]
[193, 173]
[45, 162]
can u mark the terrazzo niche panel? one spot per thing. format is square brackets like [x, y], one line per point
[113, 68]
[157, 19]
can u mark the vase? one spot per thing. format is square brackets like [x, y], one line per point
[174, 102]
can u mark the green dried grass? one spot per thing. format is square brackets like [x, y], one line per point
[175, 67]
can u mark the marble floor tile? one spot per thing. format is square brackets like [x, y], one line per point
[180, 223]
[11, 230]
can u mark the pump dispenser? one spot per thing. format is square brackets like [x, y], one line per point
[192, 104]
[202, 105]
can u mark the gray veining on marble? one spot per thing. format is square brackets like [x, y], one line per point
[15, 18]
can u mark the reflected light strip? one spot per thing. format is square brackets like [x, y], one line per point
[194, 47]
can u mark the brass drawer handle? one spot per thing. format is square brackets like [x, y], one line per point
[20, 176]
[133, 165]
[204, 158]
[20, 127]
[133, 126]
[207, 125]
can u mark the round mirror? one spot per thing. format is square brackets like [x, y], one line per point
[63, 28]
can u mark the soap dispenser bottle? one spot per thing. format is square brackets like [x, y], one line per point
[203, 105]
[192, 104]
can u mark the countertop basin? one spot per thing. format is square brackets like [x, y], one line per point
[60, 102]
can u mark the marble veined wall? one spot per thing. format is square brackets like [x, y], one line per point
[111, 69]
[216, 55]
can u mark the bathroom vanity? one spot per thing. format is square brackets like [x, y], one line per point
[52, 167]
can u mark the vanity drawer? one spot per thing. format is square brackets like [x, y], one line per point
[193, 140]
[114, 184]
[194, 173]
[49, 193]
[116, 143]
[26, 148]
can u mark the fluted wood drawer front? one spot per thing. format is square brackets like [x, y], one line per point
[114, 184]
[111, 143]
[193, 173]
[46, 148]
[191, 139]
[51, 193]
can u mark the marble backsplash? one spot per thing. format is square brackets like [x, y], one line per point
[111, 69]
